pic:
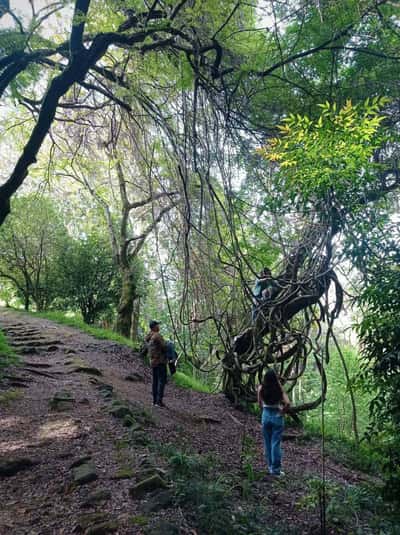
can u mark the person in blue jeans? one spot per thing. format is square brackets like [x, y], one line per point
[274, 402]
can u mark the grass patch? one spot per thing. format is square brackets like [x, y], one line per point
[186, 381]
[76, 322]
[352, 508]
[208, 498]
[8, 356]
[138, 520]
[7, 397]
[345, 451]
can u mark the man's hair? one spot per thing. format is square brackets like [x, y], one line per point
[266, 271]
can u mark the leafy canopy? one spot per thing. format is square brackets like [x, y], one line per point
[331, 154]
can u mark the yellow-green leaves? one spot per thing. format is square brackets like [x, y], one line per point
[331, 153]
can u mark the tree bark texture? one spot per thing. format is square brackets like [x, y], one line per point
[125, 306]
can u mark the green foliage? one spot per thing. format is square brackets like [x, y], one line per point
[31, 243]
[350, 507]
[209, 500]
[248, 456]
[138, 520]
[11, 42]
[338, 407]
[87, 276]
[9, 396]
[184, 464]
[187, 381]
[75, 321]
[7, 354]
[361, 456]
[329, 155]
[380, 336]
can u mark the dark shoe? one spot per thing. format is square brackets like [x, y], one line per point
[161, 404]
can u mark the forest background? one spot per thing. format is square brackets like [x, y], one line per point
[155, 157]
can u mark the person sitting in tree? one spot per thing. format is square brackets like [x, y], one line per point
[262, 291]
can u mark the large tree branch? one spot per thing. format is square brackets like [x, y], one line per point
[328, 43]
[78, 26]
[75, 72]
[142, 238]
[152, 198]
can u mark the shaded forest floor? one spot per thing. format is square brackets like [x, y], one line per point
[82, 450]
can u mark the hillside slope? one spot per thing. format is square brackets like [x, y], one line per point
[82, 449]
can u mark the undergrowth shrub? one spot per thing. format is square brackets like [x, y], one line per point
[352, 508]
[8, 356]
[209, 500]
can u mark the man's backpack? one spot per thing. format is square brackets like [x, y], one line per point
[172, 357]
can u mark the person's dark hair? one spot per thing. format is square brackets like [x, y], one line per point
[265, 272]
[271, 390]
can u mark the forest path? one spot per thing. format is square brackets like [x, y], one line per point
[60, 416]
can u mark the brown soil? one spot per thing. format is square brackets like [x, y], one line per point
[42, 498]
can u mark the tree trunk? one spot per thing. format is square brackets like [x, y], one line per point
[135, 319]
[125, 305]
[273, 339]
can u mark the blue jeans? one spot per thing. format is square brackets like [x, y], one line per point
[272, 426]
[159, 381]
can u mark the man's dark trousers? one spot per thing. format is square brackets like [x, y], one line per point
[159, 381]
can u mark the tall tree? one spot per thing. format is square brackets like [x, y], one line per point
[327, 175]
[30, 247]
[130, 178]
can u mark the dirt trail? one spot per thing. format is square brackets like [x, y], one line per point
[61, 415]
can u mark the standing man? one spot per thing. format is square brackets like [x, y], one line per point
[158, 360]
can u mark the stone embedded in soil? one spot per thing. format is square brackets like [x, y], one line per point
[123, 473]
[41, 342]
[159, 500]
[25, 350]
[90, 370]
[61, 400]
[206, 419]
[105, 390]
[37, 364]
[103, 529]
[88, 519]
[18, 382]
[10, 467]
[81, 460]
[134, 377]
[84, 473]
[96, 524]
[120, 411]
[163, 528]
[151, 471]
[97, 497]
[147, 485]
